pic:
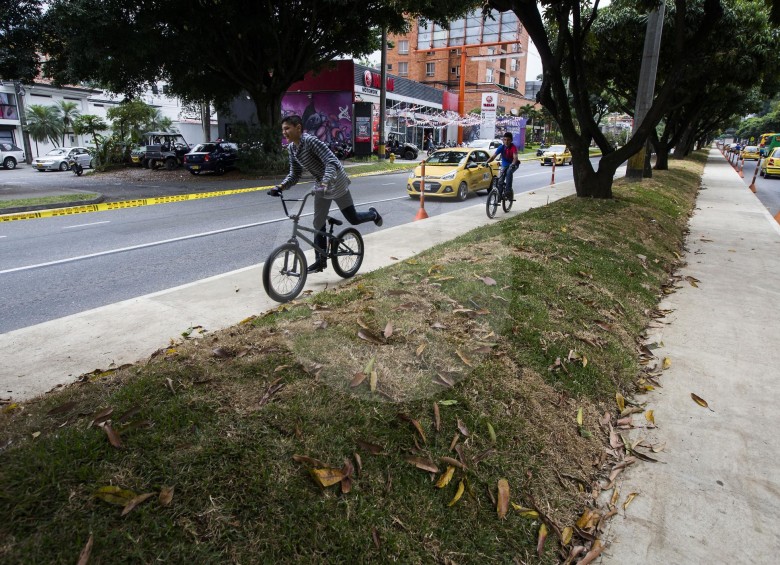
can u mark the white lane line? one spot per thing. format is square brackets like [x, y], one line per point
[2, 236]
[85, 225]
[172, 240]
[388, 184]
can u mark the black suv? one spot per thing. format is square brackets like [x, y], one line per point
[215, 156]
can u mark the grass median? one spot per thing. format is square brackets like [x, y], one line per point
[449, 408]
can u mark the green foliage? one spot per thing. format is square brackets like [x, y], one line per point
[19, 36]
[68, 111]
[131, 118]
[43, 123]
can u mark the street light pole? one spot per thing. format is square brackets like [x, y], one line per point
[382, 95]
[19, 91]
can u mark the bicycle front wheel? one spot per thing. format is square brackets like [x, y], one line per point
[508, 200]
[492, 203]
[346, 253]
[284, 273]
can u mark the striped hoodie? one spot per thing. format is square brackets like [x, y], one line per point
[314, 156]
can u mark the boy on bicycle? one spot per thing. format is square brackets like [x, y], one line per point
[332, 183]
[509, 161]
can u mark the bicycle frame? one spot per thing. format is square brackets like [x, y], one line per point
[298, 229]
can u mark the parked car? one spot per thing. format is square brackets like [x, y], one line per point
[404, 150]
[10, 155]
[558, 153]
[541, 149]
[486, 144]
[215, 156]
[454, 173]
[770, 167]
[750, 152]
[164, 149]
[57, 159]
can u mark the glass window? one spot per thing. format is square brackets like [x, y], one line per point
[513, 64]
[489, 75]
[430, 69]
[403, 69]
[473, 27]
[492, 25]
[424, 34]
[389, 66]
[403, 47]
[509, 26]
[439, 37]
[457, 32]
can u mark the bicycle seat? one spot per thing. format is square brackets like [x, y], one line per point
[334, 221]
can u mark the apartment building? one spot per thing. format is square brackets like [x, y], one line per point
[430, 54]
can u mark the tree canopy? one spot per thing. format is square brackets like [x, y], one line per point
[19, 36]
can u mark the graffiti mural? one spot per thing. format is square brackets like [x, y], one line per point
[326, 115]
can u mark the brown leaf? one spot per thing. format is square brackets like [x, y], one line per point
[621, 402]
[101, 416]
[166, 495]
[568, 531]
[62, 409]
[488, 281]
[371, 448]
[484, 455]
[443, 380]
[128, 414]
[629, 498]
[113, 437]
[463, 358]
[221, 352]
[362, 324]
[388, 330]
[359, 462]
[422, 463]
[357, 379]
[309, 461]
[135, 502]
[375, 537]
[453, 462]
[370, 337]
[327, 477]
[346, 485]
[420, 349]
[541, 539]
[436, 417]
[594, 552]
[438, 326]
[463, 429]
[502, 506]
[414, 423]
[701, 402]
[454, 441]
[86, 552]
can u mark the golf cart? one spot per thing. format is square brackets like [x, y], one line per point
[163, 149]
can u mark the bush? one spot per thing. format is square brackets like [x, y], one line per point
[259, 149]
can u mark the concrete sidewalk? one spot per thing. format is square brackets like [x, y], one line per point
[37, 358]
[715, 495]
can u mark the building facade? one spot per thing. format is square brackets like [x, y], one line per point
[430, 54]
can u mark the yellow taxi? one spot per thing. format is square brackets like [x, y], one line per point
[770, 167]
[454, 173]
[750, 152]
[558, 153]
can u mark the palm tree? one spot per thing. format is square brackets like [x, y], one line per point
[68, 112]
[89, 123]
[43, 122]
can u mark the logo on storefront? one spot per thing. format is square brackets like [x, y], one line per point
[367, 79]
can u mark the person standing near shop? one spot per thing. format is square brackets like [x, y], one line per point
[332, 183]
[509, 159]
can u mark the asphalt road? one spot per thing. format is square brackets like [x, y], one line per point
[54, 267]
[767, 190]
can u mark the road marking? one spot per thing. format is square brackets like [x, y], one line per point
[85, 225]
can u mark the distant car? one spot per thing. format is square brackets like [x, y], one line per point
[57, 159]
[10, 155]
[405, 150]
[750, 152]
[486, 144]
[541, 149]
[454, 173]
[770, 167]
[558, 153]
[215, 156]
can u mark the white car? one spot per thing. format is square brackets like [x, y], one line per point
[10, 155]
[57, 159]
[487, 144]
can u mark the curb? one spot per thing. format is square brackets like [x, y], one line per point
[37, 207]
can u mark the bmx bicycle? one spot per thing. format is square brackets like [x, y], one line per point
[285, 270]
[499, 194]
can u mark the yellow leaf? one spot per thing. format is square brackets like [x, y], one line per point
[10, 408]
[629, 498]
[327, 477]
[370, 365]
[166, 495]
[372, 381]
[458, 494]
[446, 477]
[621, 402]
[502, 505]
[700, 401]
[568, 531]
[541, 539]
[135, 502]
[114, 495]
[421, 349]
[667, 363]
[650, 417]
[579, 417]
[584, 361]
[36, 435]
[615, 497]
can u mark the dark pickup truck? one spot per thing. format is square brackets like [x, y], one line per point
[165, 150]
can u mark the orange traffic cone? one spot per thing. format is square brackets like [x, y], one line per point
[777, 217]
[421, 213]
[752, 186]
[552, 178]
[741, 166]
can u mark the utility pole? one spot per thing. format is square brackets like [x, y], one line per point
[644, 96]
[382, 95]
[19, 91]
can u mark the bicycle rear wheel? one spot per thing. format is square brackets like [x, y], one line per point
[284, 272]
[346, 253]
[508, 200]
[492, 203]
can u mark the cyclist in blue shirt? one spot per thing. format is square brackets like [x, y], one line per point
[509, 160]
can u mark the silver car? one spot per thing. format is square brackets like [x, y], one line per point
[57, 159]
[10, 155]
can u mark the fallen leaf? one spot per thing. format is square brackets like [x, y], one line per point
[62, 409]
[113, 437]
[463, 358]
[463, 429]
[701, 402]
[372, 381]
[438, 326]
[420, 349]
[309, 461]
[454, 462]
[594, 552]
[525, 512]
[359, 462]
[502, 506]
[448, 402]
[327, 477]
[436, 417]
[650, 416]
[541, 539]
[422, 463]
[454, 441]
[666, 363]
[371, 448]
[388, 330]
[346, 485]
[114, 495]
[369, 337]
[357, 380]
[166, 495]
[375, 537]
[566, 535]
[86, 552]
[621, 402]
[491, 432]
[458, 494]
[135, 502]
[446, 477]
[615, 497]
[629, 498]
[128, 414]
[362, 324]
[579, 417]
[101, 416]
[488, 281]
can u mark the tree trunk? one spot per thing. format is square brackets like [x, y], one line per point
[661, 155]
[590, 183]
[269, 113]
[682, 148]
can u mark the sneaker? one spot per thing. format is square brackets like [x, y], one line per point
[317, 266]
[377, 217]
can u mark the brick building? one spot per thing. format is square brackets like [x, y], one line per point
[504, 74]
